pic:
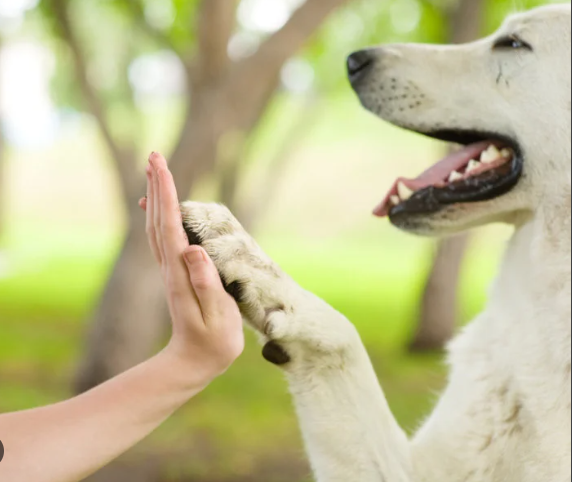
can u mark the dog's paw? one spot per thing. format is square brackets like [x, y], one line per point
[292, 322]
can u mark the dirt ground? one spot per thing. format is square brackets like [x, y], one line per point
[283, 468]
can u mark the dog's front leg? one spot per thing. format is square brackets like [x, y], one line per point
[348, 428]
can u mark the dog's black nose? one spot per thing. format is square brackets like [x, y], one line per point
[359, 64]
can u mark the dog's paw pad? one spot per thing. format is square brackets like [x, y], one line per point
[275, 354]
[236, 289]
[192, 236]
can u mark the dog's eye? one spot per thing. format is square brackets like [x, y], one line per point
[512, 42]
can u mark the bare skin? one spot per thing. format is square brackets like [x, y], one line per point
[71, 440]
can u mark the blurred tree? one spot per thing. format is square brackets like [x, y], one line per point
[364, 22]
[439, 306]
[251, 208]
[226, 99]
[2, 165]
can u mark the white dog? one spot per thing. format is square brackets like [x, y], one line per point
[506, 415]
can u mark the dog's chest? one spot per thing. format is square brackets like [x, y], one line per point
[529, 340]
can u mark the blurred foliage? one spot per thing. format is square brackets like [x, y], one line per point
[115, 32]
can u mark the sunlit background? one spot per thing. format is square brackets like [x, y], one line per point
[305, 179]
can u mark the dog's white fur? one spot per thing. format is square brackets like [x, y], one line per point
[505, 416]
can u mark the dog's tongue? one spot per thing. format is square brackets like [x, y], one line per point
[437, 175]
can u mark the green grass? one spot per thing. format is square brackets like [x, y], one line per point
[246, 417]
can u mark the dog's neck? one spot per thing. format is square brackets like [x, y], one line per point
[542, 243]
[536, 269]
[552, 227]
[530, 308]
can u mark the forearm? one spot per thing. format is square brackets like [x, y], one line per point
[68, 441]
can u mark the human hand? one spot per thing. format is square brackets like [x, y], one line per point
[207, 325]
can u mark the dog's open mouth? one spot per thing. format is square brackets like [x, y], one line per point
[481, 171]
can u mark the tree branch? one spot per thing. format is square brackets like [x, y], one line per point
[216, 23]
[263, 68]
[123, 159]
[440, 299]
[229, 100]
[293, 36]
[250, 211]
[465, 20]
[138, 14]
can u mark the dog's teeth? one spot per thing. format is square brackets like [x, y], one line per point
[506, 153]
[395, 200]
[473, 166]
[455, 176]
[404, 192]
[491, 155]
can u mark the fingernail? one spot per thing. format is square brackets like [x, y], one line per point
[153, 160]
[194, 256]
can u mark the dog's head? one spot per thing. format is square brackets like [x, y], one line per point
[506, 98]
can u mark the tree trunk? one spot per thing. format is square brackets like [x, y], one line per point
[125, 328]
[466, 21]
[438, 320]
[132, 315]
[231, 153]
[130, 318]
[439, 305]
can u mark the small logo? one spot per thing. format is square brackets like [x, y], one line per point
[1, 451]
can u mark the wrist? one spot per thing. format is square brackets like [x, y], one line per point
[207, 361]
[186, 372]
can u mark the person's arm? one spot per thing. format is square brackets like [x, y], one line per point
[68, 441]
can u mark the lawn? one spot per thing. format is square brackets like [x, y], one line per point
[225, 432]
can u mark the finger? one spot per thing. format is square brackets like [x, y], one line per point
[156, 207]
[143, 203]
[170, 224]
[150, 227]
[172, 233]
[207, 285]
